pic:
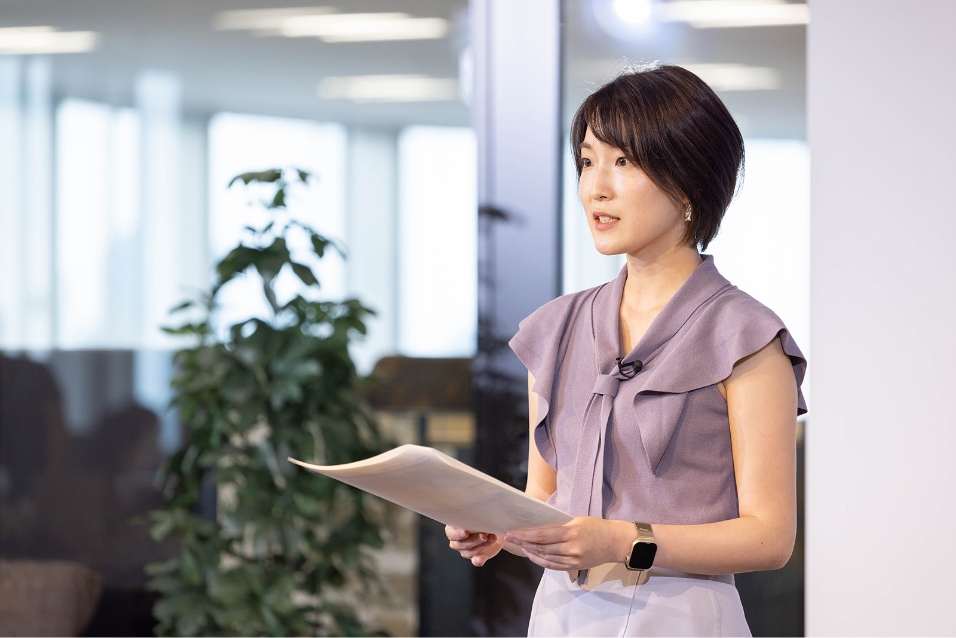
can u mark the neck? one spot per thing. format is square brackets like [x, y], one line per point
[652, 282]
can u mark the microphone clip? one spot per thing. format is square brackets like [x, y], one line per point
[629, 370]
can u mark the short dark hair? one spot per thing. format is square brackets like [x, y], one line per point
[675, 128]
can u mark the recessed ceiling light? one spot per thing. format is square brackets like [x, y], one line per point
[736, 77]
[39, 40]
[327, 25]
[708, 14]
[389, 88]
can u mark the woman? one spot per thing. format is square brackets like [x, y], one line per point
[663, 404]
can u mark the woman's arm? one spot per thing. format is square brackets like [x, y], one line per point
[542, 482]
[762, 403]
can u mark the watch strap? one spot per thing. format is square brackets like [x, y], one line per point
[645, 534]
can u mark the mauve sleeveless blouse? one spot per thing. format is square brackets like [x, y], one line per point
[652, 446]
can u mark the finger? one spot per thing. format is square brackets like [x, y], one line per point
[545, 536]
[469, 543]
[544, 562]
[487, 554]
[456, 533]
[558, 559]
[538, 548]
[481, 559]
[478, 549]
[568, 561]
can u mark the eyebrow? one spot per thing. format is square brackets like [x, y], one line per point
[585, 145]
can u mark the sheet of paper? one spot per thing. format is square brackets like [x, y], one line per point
[437, 486]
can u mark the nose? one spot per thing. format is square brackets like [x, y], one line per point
[599, 186]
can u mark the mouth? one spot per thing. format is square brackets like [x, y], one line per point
[603, 221]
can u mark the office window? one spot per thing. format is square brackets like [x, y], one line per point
[764, 242]
[97, 216]
[438, 227]
[243, 143]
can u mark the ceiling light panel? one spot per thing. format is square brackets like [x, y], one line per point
[263, 19]
[736, 77]
[327, 25]
[709, 14]
[45, 39]
[389, 88]
[721, 76]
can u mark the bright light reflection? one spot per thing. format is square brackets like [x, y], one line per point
[633, 11]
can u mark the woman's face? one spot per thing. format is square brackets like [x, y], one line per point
[626, 212]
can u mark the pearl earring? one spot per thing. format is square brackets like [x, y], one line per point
[687, 212]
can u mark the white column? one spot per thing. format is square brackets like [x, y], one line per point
[159, 99]
[881, 436]
[11, 272]
[37, 205]
[371, 234]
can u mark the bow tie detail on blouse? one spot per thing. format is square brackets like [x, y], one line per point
[587, 491]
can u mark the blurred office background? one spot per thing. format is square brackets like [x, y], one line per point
[122, 124]
[437, 132]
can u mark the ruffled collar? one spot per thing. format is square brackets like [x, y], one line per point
[702, 284]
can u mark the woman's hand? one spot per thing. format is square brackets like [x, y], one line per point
[583, 543]
[477, 547]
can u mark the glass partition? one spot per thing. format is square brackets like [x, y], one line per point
[121, 125]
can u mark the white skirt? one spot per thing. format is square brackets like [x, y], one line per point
[608, 603]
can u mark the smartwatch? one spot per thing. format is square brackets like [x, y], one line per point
[643, 550]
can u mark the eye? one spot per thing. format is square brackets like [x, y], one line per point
[585, 161]
[622, 161]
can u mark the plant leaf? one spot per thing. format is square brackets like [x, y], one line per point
[269, 176]
[278, 200]
[236, 262]
[305, 274]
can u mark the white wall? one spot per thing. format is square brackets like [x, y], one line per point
[881, 475]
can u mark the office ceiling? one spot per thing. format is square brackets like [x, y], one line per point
[240, 71]
[593, 55]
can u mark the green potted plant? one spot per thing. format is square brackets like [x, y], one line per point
[283, 541]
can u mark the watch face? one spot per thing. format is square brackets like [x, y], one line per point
[642, 555]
